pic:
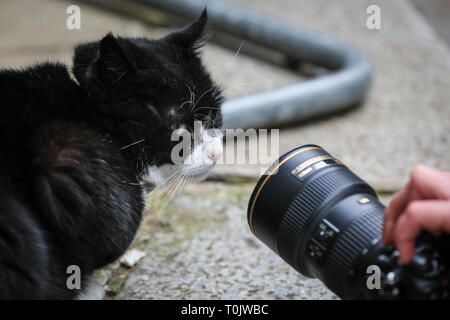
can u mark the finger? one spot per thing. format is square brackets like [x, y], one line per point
[430, 183]
[425, 183]
[431, 215]
[393, 211]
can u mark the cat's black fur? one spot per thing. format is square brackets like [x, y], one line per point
[72, 152]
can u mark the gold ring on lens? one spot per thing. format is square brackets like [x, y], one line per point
[250, 218]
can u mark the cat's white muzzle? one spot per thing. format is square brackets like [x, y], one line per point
[195, 167]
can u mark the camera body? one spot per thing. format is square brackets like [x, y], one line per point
[326, 222]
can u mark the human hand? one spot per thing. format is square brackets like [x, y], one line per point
[424, 203]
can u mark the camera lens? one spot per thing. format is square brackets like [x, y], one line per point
[320, 218]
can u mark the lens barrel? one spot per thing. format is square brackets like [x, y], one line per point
[326, 222]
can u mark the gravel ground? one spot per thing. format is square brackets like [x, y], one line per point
[208, 252]
[201, 248]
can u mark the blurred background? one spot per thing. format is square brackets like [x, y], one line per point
[200, 247]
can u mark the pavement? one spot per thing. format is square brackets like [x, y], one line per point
[437, 13]
[200, 247]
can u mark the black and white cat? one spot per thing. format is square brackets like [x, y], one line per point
[74, 153]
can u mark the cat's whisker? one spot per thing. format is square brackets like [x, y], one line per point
[216, 90]
[228, 68]
[213, 108]
[238, 86]
[167, 180]
[132, 144]
[186, 179]
[235, 56]
[205, 120]
[182, 185]
[174, 185]
[190, 178]
[188, 101]
[201, 96]
[172, 181]
[166, 192]
[177, 188]
[192, 96]
[174, 193]
[189, 88]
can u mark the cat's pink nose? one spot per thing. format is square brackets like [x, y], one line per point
[214, 156]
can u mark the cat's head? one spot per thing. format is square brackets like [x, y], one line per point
[150, 88]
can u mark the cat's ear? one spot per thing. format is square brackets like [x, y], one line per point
[192, 37]
[114, 61]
